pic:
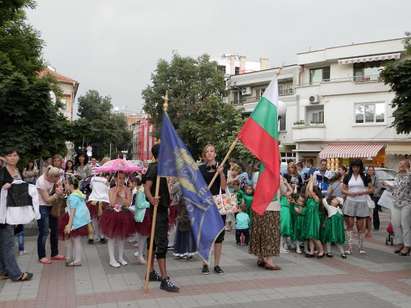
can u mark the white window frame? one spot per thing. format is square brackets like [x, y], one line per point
[375, 123]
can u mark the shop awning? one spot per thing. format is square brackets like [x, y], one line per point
[389, 56]
[353, 150]
[398, 149]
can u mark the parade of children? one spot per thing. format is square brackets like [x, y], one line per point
[312, 221]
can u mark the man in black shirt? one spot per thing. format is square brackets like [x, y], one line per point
[161, 230]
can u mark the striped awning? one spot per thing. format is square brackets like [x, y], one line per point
[389, 56]
[351, 150]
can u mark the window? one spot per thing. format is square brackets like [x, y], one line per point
[315, 114]
[369, 113]
[259, 92]
[237, 70]
[285, 87]
[283, 123]
[369, 71]
[221, 69]
[317, 117]
[318, 75]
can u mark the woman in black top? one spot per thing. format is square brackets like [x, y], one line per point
[8, 264]
[208, 169]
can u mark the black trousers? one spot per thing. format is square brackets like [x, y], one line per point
[160, 246]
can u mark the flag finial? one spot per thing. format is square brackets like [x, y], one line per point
[165, 103]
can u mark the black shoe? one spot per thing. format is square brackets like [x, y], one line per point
[329, 255]
[90, 241]
[218, 270]
[344, 256]
[154, 276]
[103, 241]
[205, 270]
[309, 255]
[169, 285]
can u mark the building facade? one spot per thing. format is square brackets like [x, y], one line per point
[233, 64]
[338, 107]
[68, 87]
[143, 138]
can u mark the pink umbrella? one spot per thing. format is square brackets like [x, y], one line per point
[119, 165]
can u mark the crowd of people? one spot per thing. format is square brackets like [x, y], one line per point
[313, 210]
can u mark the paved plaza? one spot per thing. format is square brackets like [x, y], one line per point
[379, 279]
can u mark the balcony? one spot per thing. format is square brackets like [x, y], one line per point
[308, 132]
[346, 85]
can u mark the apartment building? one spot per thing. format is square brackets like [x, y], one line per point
[339, 108]
[68, 87]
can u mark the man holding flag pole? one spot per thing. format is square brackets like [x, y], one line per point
[174, 160]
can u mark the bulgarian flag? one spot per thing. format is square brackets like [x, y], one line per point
[259, 135]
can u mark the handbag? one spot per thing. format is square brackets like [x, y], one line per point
[370, 202]
[58, 205]
[226, 203]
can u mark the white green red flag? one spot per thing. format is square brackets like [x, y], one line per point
[259, 135]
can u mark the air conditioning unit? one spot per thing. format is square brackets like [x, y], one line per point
[314, 99]
[246, 91]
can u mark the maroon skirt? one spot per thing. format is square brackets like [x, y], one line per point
[144, 227]
[115, 224]
[93, 208]
[63, 221]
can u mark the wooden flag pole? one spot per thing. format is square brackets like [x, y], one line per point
[153, 229]
[232, 146]
[154, 218]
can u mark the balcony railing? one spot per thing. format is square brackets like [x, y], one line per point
[356, 79]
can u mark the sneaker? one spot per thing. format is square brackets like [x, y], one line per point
[169, 285]
[154, 276]
[298, 250]
[329, 255]
[136, 254]
[114, 264]
[205, 270]
[141, 260]
[363, 252]
[283, 250]
[344, 256]
[218, 270]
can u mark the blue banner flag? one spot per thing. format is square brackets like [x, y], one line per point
[176, 161]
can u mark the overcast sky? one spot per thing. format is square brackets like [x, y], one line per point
[113, 45]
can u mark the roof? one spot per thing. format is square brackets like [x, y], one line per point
[352, 44]
[59, 77]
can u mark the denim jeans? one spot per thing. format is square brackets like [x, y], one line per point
[46, 223]
[19, 232]
[8, 262]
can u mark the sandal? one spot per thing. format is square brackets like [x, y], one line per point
[25, 277]
[272, 267]
[260, 263]
[44, 261]
[72, 264]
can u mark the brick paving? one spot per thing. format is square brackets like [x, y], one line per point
[378, 279]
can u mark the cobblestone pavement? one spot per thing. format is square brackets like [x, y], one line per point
[378, 279]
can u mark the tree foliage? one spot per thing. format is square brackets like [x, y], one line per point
[196, 90]
[398, 76]
[30, 121]
[98, 126]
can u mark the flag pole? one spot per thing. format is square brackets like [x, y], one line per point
[232, 146]
[154, 218]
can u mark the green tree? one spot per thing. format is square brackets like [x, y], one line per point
[398, 75]
[30, 120]
[98, 126]
[196, 90]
